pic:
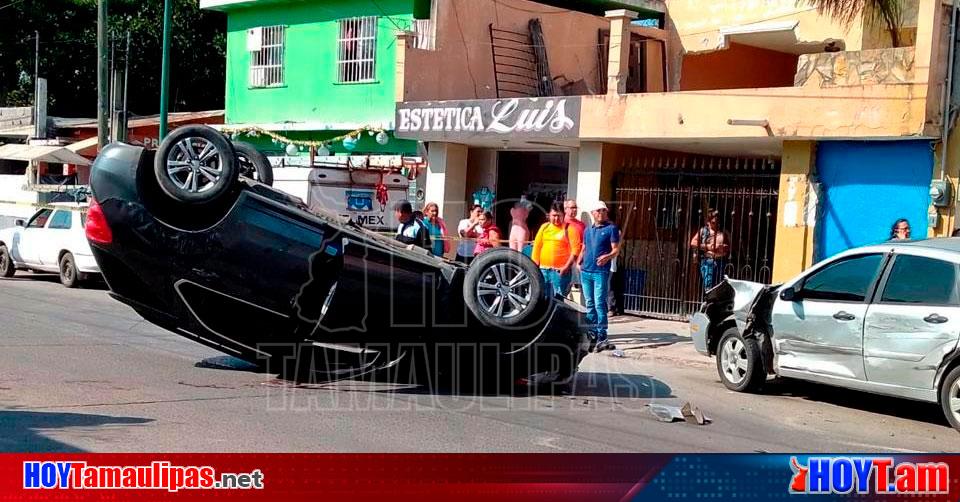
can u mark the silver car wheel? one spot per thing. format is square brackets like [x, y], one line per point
[954, 397]
[194, 165]
[504, 290]
[733, 360]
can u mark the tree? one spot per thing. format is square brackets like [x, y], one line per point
[889, 12]
[68, 45]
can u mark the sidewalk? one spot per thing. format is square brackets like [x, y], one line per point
[643, 338]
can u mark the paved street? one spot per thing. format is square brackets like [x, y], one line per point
[82, 372]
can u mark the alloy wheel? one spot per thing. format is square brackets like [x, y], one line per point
[504, 290]
[954, 397]
[733, 360]
[194, 165]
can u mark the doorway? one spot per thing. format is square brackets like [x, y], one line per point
[540, 177]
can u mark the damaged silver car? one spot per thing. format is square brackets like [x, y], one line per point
[883, 319]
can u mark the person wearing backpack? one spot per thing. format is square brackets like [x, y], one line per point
[555, 250]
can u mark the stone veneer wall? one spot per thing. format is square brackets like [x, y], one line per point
[832, 69]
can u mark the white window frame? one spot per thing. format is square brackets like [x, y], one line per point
[357, 50]
[266, 63]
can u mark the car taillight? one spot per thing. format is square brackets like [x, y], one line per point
[97, 229]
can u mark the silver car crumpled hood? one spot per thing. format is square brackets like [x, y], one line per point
[745, 294]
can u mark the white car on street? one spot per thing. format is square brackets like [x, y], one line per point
[53, 240]
[883, 319]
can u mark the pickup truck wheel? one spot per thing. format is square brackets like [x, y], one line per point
[196, 164]
[69, 276]
[738, 362]
[504, 289]
[253, 163]
[7, 268]
[950, 397]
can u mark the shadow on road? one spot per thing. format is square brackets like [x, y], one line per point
[895, 407]
[23, 431]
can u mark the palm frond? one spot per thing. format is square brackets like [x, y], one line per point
[888, 12]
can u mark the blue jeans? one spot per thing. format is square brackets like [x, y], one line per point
[711, 271]
[596, 287]
[557, 284]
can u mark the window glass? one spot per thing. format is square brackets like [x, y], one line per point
[83, 220]
[846, 280]
[61, 220]
[917, 279]
[39, 220]
[266, 46]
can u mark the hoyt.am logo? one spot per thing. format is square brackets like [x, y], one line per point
[876, 475]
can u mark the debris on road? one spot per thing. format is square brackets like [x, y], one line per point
[686, 413]
[618, 353]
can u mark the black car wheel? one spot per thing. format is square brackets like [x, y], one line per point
[7, 268]
[738, 362]
[195, 165]
[950, 397]
[69, 275]
[253, 163]
[504, 289]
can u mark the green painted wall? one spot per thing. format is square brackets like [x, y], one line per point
[310, 91]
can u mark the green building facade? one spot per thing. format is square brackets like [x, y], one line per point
[314, 70]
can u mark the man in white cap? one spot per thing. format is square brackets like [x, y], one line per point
[601, 244]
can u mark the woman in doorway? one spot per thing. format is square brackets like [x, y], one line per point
[436, 228]
[488, 236]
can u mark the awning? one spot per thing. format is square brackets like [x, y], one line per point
[39, 153]
[84, 144]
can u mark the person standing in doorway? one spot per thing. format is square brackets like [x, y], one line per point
[601, 245]
[411, 231]
[712, 246]
[468, 227]
[556, 249]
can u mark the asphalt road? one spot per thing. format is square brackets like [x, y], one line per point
[82, 372]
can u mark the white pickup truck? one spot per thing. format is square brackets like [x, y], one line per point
[53, 240]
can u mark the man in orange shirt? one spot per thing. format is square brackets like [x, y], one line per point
[556, 249]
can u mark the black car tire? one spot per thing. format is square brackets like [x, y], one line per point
[184, 172]
[745, 352]
[69, 275]
[7, 268]
[949, 388]
[486, 292]
[253, 164]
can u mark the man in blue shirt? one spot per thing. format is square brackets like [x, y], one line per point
[601, 244]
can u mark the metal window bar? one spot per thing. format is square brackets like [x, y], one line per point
[266, 64]
[356, 50]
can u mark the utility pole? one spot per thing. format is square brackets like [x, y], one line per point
[36, 80]
[165, 68]
[126, 75]
[103, 89]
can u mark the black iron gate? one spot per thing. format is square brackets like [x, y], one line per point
[661, 209]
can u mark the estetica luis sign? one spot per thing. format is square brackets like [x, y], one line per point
[557, 117]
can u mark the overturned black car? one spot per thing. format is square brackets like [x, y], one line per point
[194, 247]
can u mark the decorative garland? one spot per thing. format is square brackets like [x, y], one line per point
[349, 139]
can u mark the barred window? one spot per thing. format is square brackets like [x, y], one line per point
[266, 55]
[357, 49]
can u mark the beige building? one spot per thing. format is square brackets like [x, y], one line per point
[780, 118]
